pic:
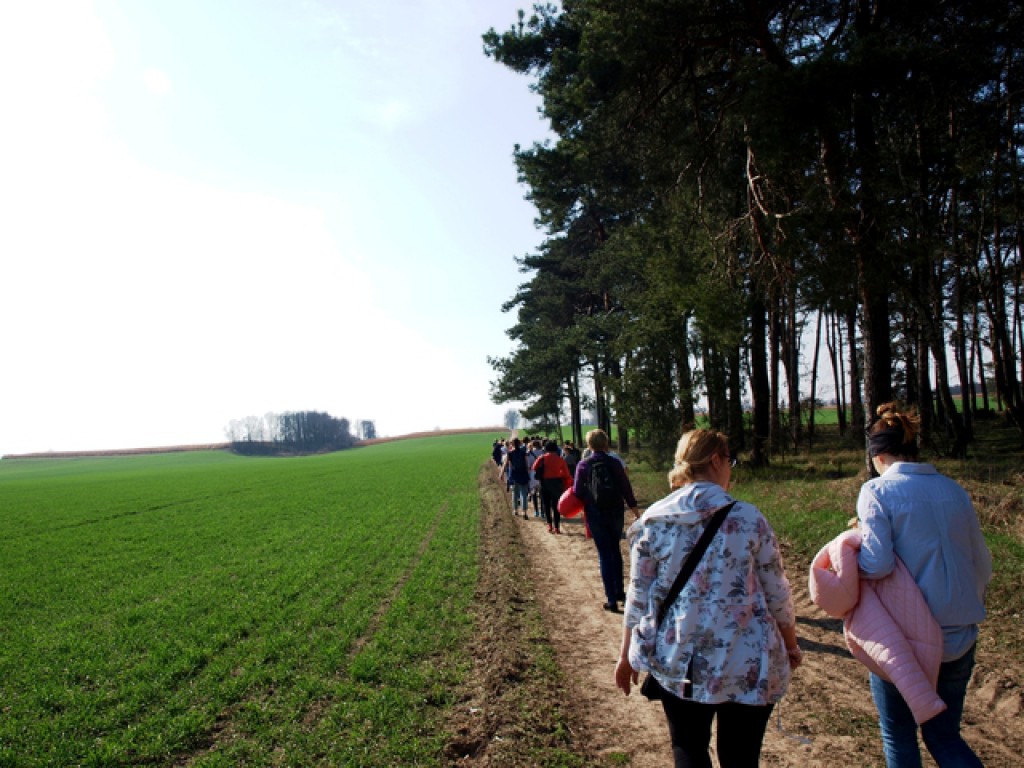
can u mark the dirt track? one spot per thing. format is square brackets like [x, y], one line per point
[826, 716]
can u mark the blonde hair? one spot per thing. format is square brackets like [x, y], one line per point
[694, 453]
[597, 440]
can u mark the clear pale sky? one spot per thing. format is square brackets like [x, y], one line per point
[211, 209]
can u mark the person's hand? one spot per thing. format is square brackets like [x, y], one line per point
[792, 645]
[625, 675]
[796, 657]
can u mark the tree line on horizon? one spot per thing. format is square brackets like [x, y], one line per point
[727, 181]
[294, 432]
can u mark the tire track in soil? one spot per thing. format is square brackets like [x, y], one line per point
[826, 715]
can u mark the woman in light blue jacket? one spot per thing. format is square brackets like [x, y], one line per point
[927, 520]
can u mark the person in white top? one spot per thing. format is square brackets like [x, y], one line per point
[727, 645]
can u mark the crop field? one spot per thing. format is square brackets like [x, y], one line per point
[210, 610]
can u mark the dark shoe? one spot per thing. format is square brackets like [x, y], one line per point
[558, 530]
[613, 607]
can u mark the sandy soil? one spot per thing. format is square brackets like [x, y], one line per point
[826, 715]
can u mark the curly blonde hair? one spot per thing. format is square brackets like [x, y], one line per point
[694, 453]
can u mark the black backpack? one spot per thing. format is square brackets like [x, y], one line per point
[519, 466]
[604, 488]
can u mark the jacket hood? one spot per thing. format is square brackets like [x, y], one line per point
[689, 504]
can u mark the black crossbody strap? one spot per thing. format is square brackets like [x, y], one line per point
[693, 558]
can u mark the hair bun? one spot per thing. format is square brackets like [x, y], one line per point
[904, 420]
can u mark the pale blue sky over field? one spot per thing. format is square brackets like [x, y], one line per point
[211, 209]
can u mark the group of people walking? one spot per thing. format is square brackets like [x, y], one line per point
[708, 612]
[537, 473]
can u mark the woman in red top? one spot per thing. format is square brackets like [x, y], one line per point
[554, 477]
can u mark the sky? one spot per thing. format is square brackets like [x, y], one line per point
[216, 209]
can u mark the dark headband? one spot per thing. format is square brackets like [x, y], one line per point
[890, 441]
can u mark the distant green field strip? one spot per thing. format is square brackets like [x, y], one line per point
[207, 610]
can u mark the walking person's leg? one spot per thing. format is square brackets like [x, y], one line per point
[741, 730]
[551, 489]
[520, 493]
[941, 734]
[546, 506]
[899, 730]
[616, 524]
[689, 728]
[609, 557]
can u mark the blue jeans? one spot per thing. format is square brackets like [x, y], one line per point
[941, 734]
[520, 496]
[606, 528]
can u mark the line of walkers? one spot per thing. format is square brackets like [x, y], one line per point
[540, 473]
[709, 614]
[537, 473]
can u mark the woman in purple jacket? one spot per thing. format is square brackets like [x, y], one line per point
[603, 487]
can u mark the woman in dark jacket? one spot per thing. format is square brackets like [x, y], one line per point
[603, 487]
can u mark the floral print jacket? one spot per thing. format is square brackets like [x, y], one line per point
[720, 640]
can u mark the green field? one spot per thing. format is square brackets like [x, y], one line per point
[203, 609]
[210, 610]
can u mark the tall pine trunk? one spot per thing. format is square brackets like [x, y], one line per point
[857, 416]
[715, 381]
[760, 384]
[812, 401]
[790, 338]
[685, 377]
[963, 366]
[775, 416]
[834, 343]
[736, 434]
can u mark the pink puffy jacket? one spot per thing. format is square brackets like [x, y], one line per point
[886, 622]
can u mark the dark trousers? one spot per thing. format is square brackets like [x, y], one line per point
[550, 493]
[741, 730]
[606, 528]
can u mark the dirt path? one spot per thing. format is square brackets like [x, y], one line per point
[826, 715]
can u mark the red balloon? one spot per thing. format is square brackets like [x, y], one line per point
[569, 505]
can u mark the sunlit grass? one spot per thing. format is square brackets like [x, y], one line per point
[214, 610]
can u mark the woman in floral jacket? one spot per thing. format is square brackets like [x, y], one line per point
[728, 644]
